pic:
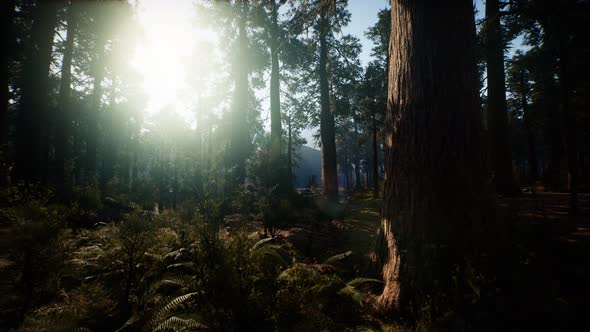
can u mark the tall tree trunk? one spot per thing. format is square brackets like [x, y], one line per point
[94, 112]
[289, 152]
[63, 122]
[375, 159]
[569, 122]
[435, 172]
[501, 155]
[533, 166]
[32, 115]
[357, 160]
[368, 167]
[275, 96]
[327, 126]
[357, 175]
[346, 167]
[111, 144]
[7, 14]
[553, 130]
[240, 137]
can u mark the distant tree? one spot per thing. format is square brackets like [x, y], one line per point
[556, 32]
[325, 18]
[519, 84]
[374, 101]
[501, 154]
[295, 121]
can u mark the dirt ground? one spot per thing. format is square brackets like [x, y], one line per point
[542, 277]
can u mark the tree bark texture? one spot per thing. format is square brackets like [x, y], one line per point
[435, 172]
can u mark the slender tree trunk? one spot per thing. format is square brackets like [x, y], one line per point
[357, 174]
[275, 96]
[570, 126]
[533, 166]
[501, 155]
[435, 173]
[63, 122]
[368, 167]
[240, 140]
[553, 128]
[375, 159]
[327, 126]
[357, 161]
[345, 166]
[94, 113]
[33, 111]
[289, 152]
[110, 143]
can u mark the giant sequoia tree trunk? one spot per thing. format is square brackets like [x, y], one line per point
[501, 156]
[435, 172]
[327, 126]
[33, 110]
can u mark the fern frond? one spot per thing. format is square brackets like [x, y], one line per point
[178, 324]
[175, 255]
[354, 294]
[338, 258]
[182, 267]
[261, 243]
[173, 282]
[172, 306]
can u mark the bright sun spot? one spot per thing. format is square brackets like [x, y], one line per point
[163, 54]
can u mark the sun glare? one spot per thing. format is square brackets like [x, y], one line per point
[163, 54]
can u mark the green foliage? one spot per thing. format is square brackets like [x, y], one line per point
[73, 311]
[33, 253]
[144, 273]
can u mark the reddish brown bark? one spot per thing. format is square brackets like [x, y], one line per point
[327, 126]
[435, 174]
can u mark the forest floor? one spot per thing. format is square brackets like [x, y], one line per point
[541, 278]
[551, 280]
[360, 224]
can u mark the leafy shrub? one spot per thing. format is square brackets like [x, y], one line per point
[162, 273]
